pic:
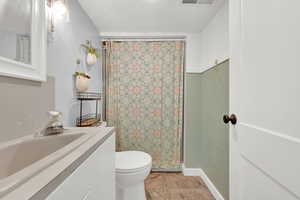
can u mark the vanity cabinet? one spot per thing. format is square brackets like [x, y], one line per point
[94, 179]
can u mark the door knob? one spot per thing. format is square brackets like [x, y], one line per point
[232, 118]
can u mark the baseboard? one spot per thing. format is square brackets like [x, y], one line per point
[191, 171]
[199, 172]
[212, 188]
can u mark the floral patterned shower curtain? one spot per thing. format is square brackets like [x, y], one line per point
[144, 98]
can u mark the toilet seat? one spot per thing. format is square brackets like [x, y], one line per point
[132, 161]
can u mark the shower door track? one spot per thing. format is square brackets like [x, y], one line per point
[166, 170]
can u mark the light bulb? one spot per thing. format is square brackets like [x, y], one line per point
[59, 10]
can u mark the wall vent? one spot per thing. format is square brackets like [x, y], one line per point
[189, 1]
[197, 1]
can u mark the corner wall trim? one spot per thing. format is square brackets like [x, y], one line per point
[199, 172]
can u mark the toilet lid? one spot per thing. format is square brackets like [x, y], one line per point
[128, 160]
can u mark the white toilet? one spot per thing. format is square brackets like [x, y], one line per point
[132, 168]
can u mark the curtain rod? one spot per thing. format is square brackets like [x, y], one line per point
[144, 38]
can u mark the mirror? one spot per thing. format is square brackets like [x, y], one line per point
[23, 39]
[15, 30]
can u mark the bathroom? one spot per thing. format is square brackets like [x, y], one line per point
[149, 100]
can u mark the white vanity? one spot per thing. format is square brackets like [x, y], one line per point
[77, 165]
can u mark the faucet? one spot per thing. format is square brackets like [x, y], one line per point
[54, 125]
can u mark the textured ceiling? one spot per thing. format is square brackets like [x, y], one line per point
[149, 16]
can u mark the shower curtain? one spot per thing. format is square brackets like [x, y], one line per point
[144, 98]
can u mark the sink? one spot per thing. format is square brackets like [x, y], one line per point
[23, 158]
[20, 155]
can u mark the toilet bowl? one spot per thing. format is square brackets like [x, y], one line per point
[132, 168]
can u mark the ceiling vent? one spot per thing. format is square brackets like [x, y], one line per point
[197, 1]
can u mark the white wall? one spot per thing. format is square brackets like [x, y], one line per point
[193, 53]
[214, 40]
[62, 55]
[211, 46]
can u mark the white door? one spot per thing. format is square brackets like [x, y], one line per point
[265, 96]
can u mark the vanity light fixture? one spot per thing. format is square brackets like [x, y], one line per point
[59, 9]
[57, 12]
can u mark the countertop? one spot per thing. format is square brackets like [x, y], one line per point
[41, 185]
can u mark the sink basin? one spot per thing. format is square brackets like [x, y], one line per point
[23, 158]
